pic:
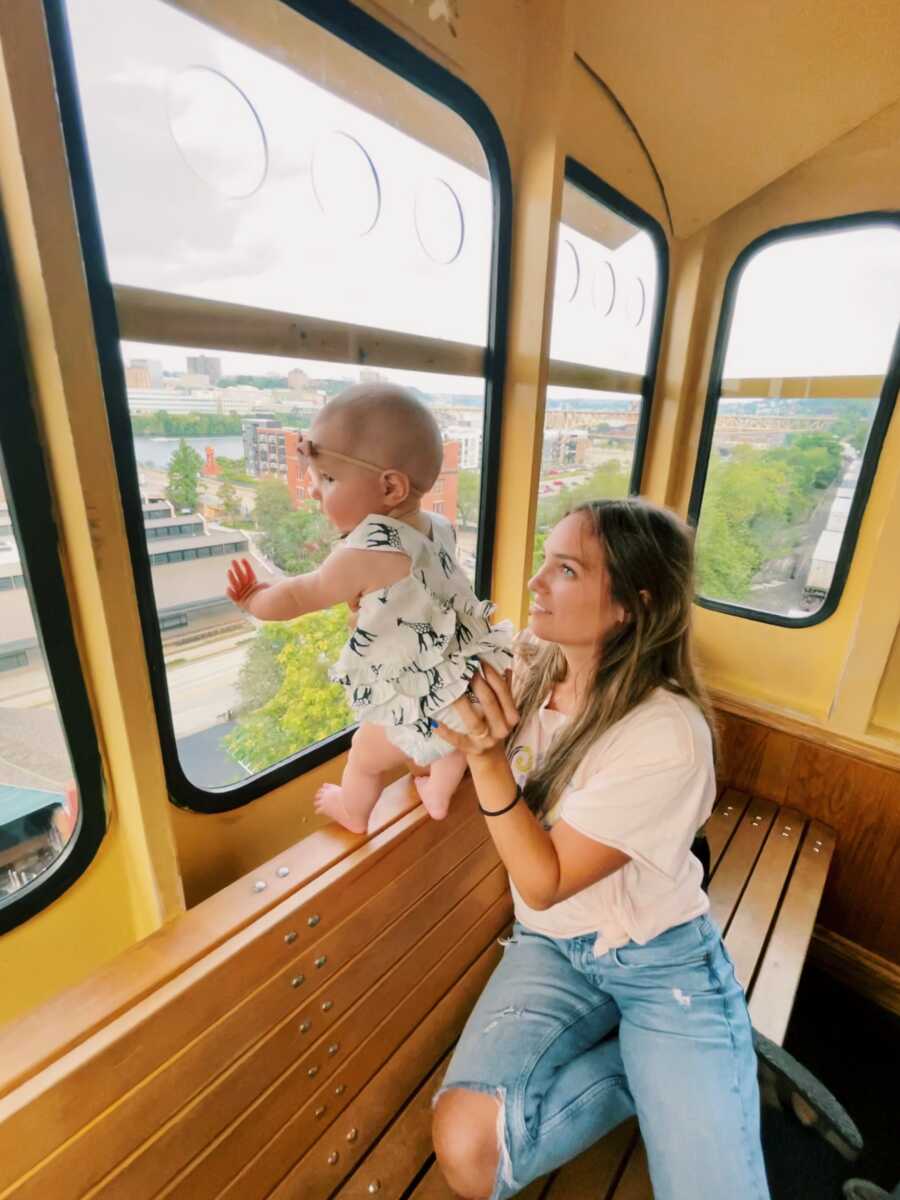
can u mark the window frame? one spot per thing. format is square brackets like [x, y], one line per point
[880, 423]
[30, 501]
[377, 42]
[597, 189]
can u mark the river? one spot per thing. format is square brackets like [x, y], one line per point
[156, 451]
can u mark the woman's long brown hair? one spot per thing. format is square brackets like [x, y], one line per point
[649, 556]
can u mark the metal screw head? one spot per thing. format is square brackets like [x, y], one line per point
[340, 1089]
[305, 1026]
[327, 1005]
[313, 1072]
[298, 980]
[321, 960]
[260, 885]
[352, 1135]
[290, 938]
[785, 833]
[282, 871]
[333, 1157]
[334, 1047]
[816, 850]
[320, 1112]
[374, 1186]
[313, 921]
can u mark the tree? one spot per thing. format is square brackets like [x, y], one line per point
[299, 541]
[184, 475]
[468, 497]
[228, 498]
[289, 674]
[273, 502]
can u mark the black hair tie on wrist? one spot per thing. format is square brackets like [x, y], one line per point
[498, 812]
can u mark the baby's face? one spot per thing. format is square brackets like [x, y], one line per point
[345, 493]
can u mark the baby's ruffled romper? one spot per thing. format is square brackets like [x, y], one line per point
[418, 642]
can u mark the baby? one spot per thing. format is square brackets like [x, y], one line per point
[372, 454]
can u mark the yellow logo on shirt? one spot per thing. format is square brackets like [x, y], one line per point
[522, 760]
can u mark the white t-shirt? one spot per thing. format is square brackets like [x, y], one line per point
[645, 787]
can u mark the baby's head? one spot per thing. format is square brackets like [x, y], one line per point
[386, 427]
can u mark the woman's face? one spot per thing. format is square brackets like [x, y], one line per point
[573, 604]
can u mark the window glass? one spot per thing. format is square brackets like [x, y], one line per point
[604, 306]
[318, 183]
[814, 321]
[39, 801]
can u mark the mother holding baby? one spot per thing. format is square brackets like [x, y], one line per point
[594, 770]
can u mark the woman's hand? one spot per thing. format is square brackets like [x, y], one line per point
[489, 720]
[242, 582]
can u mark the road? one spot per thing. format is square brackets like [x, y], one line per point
[209, 488]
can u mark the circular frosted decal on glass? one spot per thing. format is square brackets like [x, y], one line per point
[440, 225]
[217, 132]
[568, 272]
[636, 301]
[604, 289]
[346, 183]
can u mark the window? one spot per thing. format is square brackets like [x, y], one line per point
[608, 298]
[269, 185]
[803, 383]
[51, 808]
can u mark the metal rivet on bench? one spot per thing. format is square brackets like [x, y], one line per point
[334, 1047]
[340, 1089]
[785, 833]
[260, 885]
[313, 1072]
[321, 960]
[305, 1026]
[374, 1186]
[353, 1135]
[282, 871]
[289, 938]
[333, 1157]
[818, 842]
[298, 980]
[313, 921]
[327, 1005]
[320, 1112]
[816, 850]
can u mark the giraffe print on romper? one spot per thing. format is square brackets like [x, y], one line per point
[360, 638]
[424, 632]
[381, 534]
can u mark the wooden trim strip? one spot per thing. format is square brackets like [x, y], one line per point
[376, 1105]
[723, 823]
[776, 981]
[377, 933]
[270, 1164]
[750, 925]
[55, 1028]
[595, 379]
[867, 974]
[55, 1105]
[283, 1068]
[171, 320]
[804, 387]
[735, 866]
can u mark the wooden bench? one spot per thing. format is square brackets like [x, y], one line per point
[293, 1051]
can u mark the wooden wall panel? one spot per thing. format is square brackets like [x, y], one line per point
[860, 800]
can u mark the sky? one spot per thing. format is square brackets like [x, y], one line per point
[221, 173]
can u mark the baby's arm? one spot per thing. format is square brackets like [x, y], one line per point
[343, 577]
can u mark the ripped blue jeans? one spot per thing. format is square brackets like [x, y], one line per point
[542, 1039]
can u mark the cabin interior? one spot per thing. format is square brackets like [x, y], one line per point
[720, 133]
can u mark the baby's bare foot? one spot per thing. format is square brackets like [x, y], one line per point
[435, 797]
[329, 802]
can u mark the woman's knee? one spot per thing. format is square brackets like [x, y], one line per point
[466, 1141]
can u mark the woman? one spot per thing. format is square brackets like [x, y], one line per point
[609, 774]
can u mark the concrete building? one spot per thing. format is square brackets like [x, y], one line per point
[171, 401]
[205, 364]
[152, 366]
[444, 496]
[250, 430]
[565, 447]
[138, 377]
[470, 438]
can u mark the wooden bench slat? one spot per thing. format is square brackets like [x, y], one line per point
[750, 925]
[270, 1164]
[282, 1060]
[595, 1172]
[734, 867]
[723, 822]
[433, 1187]
[54, 1105]
[635, 1181]
[375, 1106]
[779, 974]
[398, 1156]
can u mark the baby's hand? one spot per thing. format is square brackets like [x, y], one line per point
[242, 582]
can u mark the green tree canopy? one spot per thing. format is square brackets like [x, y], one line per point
[184, 475]
[468, 498]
